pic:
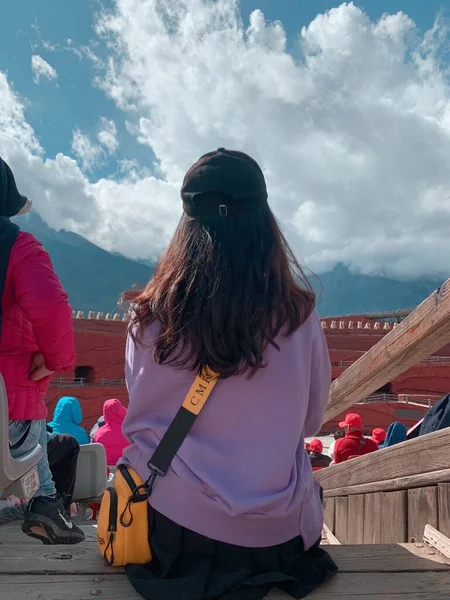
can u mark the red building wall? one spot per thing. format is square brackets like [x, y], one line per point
[100, 345]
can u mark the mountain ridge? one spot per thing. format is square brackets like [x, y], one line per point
[95, 278]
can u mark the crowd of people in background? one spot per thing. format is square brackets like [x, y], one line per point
[349, 442]
[65, 435]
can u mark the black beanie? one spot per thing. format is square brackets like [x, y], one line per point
[11, 202]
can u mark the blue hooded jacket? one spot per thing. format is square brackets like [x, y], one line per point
[67, 417]
[395, 434]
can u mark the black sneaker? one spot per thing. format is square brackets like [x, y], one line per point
[47, 521]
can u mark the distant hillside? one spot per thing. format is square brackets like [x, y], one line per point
[94, 278]
[347, 294]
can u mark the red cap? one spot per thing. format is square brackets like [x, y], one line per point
[316, 446]
[379, 435]
[352, 420]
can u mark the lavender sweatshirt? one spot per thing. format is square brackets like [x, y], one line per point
[242, 475]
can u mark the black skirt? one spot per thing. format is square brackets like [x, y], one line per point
[189, 566]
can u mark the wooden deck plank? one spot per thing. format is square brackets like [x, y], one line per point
[405, 586]
[12, 534]
[423, 586]
[84, 559]
[69, 587]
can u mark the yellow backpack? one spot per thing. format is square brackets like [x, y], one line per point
[123, 523]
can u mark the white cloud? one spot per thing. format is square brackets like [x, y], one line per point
[41, 69]
[15, 132]
[89, 153]
[107, 136]
[354, 139]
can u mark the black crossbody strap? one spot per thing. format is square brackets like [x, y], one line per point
[181, 425]
[362, 443]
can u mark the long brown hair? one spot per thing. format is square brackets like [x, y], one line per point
[225, 288]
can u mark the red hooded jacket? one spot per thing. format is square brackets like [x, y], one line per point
[353, 444]
[37, 318]
[110, 434]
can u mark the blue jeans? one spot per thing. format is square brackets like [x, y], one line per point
[37, 434]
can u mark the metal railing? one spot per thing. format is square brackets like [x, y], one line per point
[421, 399]
[61, 382]
[64, 382]
[111, 382]
[431, 360]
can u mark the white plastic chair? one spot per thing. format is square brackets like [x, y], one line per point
[12, 469]
[90, 482]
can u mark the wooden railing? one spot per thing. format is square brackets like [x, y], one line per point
[424, 331]
[390, 495]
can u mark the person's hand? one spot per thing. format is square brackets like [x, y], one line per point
[38, 370]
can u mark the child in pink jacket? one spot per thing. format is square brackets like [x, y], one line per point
[110, 434]
[36, 339]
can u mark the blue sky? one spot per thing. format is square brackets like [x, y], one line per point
[54, 111]
[351, 126]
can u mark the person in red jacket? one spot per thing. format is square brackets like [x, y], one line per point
[353, 443]
[36, 339]
[110, 434]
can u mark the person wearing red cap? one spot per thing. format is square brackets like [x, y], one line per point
[353, 443]
[378, 436]
[316, 456]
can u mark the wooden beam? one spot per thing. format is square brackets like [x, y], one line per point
[422, 455]
[332, 539]
[392, 485]
[424, 331]
[436, 539]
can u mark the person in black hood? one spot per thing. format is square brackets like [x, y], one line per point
[36, 339]
[11, 204]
